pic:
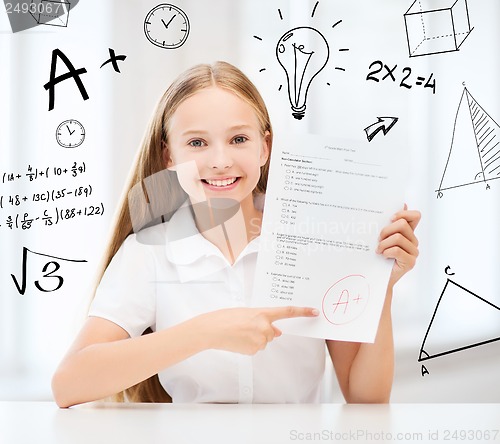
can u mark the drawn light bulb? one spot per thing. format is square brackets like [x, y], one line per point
[302, 52]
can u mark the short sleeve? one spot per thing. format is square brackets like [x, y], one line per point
[127, 292]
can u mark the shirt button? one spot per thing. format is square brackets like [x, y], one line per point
[246, 390]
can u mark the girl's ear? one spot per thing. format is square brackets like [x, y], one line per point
[266, 148]
[167, 161]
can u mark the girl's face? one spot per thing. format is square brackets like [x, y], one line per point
[215, 146]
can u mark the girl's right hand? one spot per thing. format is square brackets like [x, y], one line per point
[245, 330]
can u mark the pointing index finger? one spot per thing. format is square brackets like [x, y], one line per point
[276, 313]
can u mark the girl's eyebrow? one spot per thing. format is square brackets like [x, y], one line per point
[243, 126]
[240, 127]
[195, 132]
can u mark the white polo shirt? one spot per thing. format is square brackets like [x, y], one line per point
[169, 273]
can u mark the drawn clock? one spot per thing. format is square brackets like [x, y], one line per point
[70, 134]
[166, 26]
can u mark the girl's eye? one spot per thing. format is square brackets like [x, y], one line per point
[196, 143]
[240, 139]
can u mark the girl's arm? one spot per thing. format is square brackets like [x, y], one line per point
[365, 371]
[104, 360]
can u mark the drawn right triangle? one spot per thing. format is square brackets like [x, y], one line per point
[460, 321]
[487, 133]
[463, 166]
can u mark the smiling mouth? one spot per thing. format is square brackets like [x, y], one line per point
[220, 183]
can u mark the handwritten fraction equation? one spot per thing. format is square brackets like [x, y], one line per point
[45, 196]
[37, 173]
[25, 222]
[379, 71]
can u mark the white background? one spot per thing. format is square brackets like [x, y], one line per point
[460, 230]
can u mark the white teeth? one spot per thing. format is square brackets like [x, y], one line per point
[221, 183]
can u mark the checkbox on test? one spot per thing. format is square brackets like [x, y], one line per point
[49, 12]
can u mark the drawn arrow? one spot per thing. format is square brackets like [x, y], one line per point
[384, 123]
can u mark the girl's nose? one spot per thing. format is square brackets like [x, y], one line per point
[220, 158]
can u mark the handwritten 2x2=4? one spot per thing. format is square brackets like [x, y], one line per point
[380, 71]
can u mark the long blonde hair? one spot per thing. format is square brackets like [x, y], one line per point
[135, 207]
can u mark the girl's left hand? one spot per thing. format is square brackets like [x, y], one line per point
[398, 241]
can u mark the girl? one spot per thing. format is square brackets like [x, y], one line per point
[170, 317]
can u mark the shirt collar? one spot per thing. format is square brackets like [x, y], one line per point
[185, 244]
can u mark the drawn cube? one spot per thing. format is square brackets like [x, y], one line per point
[436, 26]
[50, 12]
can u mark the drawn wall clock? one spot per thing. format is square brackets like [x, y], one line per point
[70, 133]
[166, 26]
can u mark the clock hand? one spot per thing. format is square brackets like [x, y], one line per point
[170, 21]
[70, 132]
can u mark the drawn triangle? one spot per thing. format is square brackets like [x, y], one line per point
[463, 166]
[460, 321]
[487, 133]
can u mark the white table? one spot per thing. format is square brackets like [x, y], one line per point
[109, 423]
